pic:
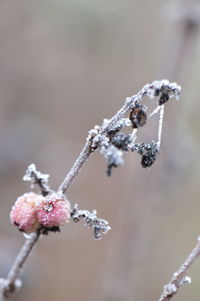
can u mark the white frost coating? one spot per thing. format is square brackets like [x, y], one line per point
[170, 289]
[32, 170]
[4, 285]
[100, 226]
[27, 235]
[36, 177]
[186, 280]
[160, 126]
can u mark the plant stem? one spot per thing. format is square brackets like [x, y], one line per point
[86, 151]
[178, 278]
[18, 265]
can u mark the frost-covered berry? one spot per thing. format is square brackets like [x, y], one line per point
[54, 212]
[24, 212]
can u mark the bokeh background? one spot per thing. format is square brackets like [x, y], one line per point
[64, 66]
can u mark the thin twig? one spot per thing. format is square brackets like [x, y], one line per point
[9, 285]
[86, 151]
[160, 125]
[179, 278]
[36, 177]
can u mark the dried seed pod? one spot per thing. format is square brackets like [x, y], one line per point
[148, 158]
[163, 98]
[138, 116]
[121, 141]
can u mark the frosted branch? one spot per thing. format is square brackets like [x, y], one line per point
[100, 226]
[36, 177]
[11, 284]
[101, 137]
[111, 143]
[180, 278]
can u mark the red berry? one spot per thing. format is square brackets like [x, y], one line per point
[24, 212]
[54, 212]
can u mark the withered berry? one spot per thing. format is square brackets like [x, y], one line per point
[138, 116]
[148, 158]
[163, 98]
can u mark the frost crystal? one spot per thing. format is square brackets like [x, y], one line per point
[186, 280]
[114, 158]
[170, 289]
[100, 226]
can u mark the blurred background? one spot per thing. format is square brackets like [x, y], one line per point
[64, 66]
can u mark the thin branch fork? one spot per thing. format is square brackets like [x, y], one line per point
[179, 278]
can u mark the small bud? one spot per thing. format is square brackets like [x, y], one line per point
[54, 212]
[138, 116]
[23, 213]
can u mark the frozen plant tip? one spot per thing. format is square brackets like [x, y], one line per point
[100, 226]
[36, 177]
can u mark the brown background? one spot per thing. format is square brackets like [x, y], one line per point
[64, 66]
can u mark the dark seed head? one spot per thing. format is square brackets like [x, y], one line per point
[163, 98]
[148, 158]
[121, 141]
[138, 116]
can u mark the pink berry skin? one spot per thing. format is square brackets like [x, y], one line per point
[54, 213]
[24, 212]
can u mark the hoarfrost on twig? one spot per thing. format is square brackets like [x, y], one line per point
[100, 226]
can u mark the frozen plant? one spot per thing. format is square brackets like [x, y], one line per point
[37, 214]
